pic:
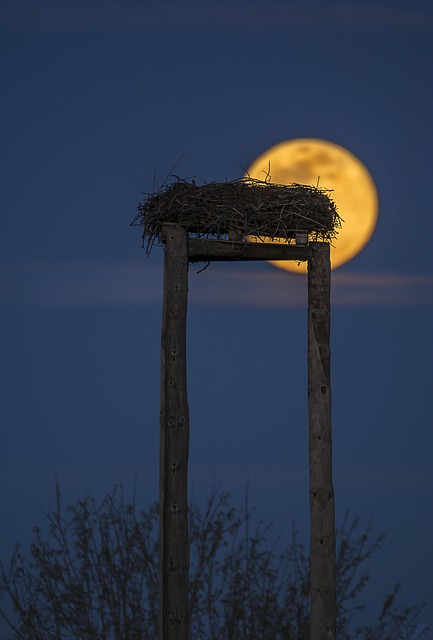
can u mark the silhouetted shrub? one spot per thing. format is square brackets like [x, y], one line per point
[95, 577]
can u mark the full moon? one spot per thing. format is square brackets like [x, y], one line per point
[311, 161]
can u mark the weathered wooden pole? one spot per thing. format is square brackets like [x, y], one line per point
[174, 443]
[322, 511]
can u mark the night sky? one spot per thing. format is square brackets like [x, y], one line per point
[100, 100]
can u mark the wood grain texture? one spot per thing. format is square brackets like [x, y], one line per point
[202, 250]
[322, 512]
[174, 443]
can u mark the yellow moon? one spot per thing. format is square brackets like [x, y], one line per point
[309, 161]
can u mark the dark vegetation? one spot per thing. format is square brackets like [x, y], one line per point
[94, 576]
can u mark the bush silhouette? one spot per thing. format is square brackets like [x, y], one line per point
[95, 577]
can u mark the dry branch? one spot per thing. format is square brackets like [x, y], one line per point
[246, 206]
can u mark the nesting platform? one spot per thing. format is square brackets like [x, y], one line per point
[238, 221]
[241, 210]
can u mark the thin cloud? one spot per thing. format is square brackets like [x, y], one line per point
[239, 287]
[110, 15]
[236, 286]
[383, 289]
[88, 284]
[79, 284]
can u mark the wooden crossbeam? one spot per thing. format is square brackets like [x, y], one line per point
[203, 250]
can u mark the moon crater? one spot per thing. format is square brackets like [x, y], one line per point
[312, 161]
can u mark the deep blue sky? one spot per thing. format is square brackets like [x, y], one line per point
[98, 99]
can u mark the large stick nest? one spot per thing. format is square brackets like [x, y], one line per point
[247, 207]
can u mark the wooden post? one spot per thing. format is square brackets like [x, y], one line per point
[322, 515]
[174, 423]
